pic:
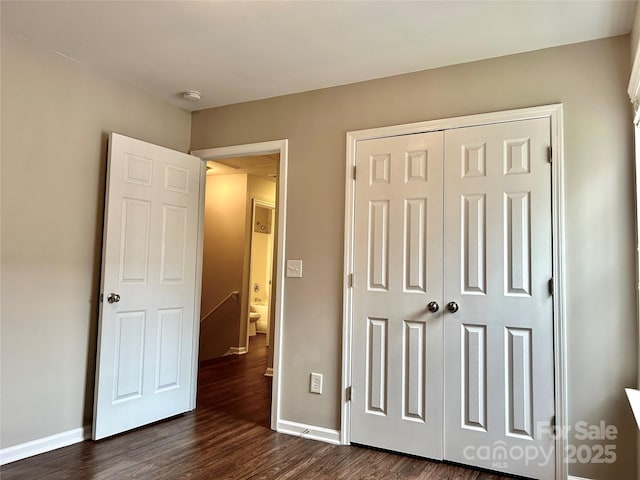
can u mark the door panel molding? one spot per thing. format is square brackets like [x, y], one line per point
[473, 164]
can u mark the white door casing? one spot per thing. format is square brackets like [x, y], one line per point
[397, 348]
[526, 235]
[280, 147]
[499, 388]
[144, 369]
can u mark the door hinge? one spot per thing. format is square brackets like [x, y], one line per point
[349, 394]
[350, 280]
[550, 285]
[549, 154]
[354, 172]
[553, 422]
[101, 298]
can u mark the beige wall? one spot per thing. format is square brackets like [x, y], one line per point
[590, 80]
[635, 32]
[56, 117]
[223, 262]
[261, 189]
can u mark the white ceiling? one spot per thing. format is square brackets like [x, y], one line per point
[265, 166]
[236, 51]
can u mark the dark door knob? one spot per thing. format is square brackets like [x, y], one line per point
[113, 298]
[433, 307]
[452, 307]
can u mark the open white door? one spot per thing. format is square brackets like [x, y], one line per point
[147, 317]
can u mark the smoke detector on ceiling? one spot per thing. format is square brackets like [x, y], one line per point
[192, 95]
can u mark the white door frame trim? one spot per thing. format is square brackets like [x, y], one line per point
[555, 114]
[263, 148]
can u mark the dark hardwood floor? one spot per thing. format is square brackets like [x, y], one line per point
[227, 437]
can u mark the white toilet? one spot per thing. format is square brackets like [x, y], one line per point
[253, 319]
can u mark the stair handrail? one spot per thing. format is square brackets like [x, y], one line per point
[235, 294]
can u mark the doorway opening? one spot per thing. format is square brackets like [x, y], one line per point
[239, 219]
[243, 225]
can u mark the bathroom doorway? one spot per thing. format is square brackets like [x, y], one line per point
[260, 268]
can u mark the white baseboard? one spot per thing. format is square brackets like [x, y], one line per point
[573, 477]
[309, 431]
[236, 351]
[42, 445]
[268, 372]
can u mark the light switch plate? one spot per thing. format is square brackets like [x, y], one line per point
[294, 268]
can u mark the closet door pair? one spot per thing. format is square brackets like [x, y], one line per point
[452, 346]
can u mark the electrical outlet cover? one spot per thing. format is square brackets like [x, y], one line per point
[316, 383]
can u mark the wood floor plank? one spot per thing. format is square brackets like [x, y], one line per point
[227, 437]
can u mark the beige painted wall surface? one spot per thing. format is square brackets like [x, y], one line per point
[590, 79]
[261, 189]
[223, 261]
[635, 32]
[56, 117]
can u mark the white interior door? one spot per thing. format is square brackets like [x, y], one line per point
[397, 341]
[146, 325]
[499, 392]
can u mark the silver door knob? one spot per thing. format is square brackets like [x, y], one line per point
[433, 307]
[113, 298]
[452, 307]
